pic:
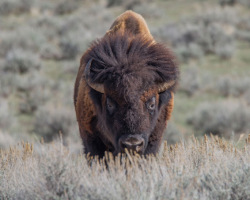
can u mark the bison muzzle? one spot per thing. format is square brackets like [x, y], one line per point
[124, 90]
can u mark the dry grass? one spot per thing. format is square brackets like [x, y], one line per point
[208, 169]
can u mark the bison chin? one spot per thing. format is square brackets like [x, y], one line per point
[134, 143]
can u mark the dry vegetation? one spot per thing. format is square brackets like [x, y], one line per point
[209, 169]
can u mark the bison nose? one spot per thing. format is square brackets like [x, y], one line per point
[132, 143]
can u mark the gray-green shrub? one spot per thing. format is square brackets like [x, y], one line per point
[190, 81]
[50, 120]
[6, 140]
[66, 7]
[16, 7]
[20, 61]
[7, 119]
[24, 38]
[172, 133]
[220, 118]
[129, 4]
[7, 83]
[35, 91]
[227, 86]
[206, 33]
[246, 96]
[244, 2]
[69, 50]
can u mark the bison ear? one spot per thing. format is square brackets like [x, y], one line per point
[165, 97]
[89, 73]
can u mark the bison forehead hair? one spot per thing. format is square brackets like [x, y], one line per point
[121, 60]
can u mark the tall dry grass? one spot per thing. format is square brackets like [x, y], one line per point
[208, 169]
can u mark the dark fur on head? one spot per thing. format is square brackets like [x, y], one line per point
[130, 66]
[116, 56]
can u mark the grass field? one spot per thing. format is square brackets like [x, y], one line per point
[207, 169]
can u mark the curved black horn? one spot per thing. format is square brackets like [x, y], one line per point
[96, 86]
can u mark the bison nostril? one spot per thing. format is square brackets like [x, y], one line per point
[132, 144]
[127, 145]
[139, 146]
[124, 145]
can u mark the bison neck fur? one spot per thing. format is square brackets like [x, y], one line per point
[131, 109]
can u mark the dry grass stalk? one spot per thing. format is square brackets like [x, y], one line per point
[189, 170]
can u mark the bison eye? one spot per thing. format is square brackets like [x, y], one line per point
[110, 105]
[151, 104]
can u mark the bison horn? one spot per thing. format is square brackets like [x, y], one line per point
[96, 86]
[164, 86]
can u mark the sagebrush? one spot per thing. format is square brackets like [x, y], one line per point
[207, 169]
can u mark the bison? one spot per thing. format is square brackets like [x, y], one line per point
[124, 89]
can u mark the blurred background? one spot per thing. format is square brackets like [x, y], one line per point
[41, 42]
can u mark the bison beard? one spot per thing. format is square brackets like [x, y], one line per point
[124, 90]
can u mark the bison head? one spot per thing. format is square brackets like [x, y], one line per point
[132, 80]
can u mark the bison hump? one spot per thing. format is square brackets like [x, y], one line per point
[130, 22]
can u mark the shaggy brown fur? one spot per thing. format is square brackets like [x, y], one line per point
[130, 22]
[130, 65]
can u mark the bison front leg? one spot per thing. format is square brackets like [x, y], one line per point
[93, 145]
